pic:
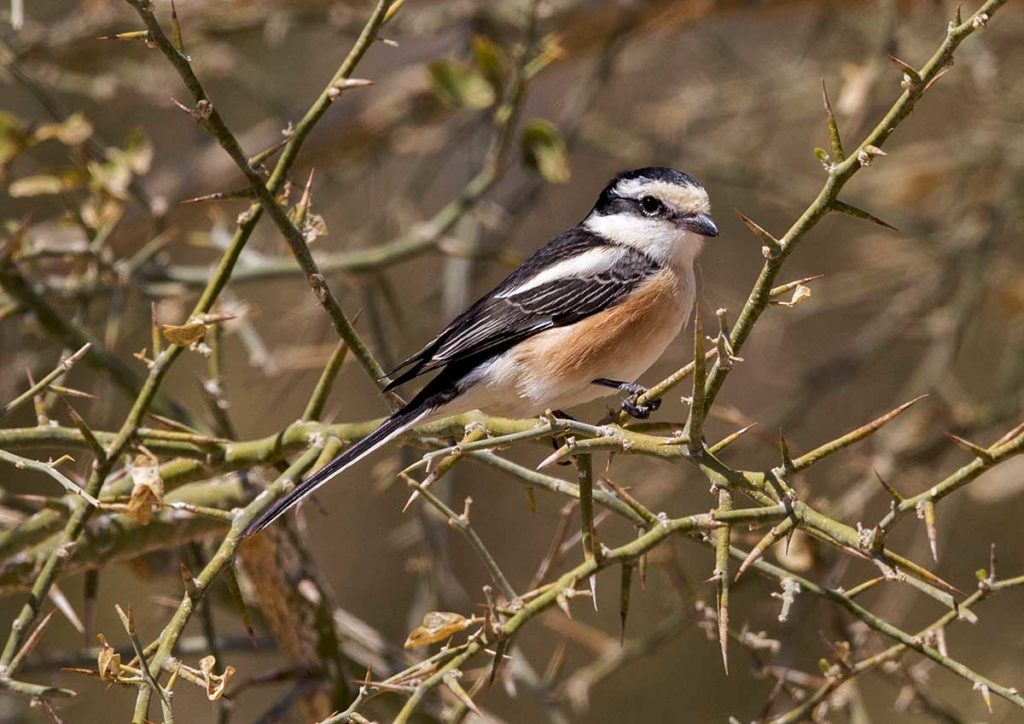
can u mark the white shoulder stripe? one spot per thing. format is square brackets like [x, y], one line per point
[589, 263]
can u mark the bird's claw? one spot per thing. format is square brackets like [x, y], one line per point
[559, 440]
[632, 406]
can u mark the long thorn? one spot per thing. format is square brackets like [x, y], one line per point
[928, 514]
[829, 448]
[975, 450]
[893, 493]
[833, 129]
[730, 439]
[772, 245]
[850, 210]
[723, 582]
[776, 534]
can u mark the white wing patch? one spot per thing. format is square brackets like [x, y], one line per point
[472, 336]
[589, 263]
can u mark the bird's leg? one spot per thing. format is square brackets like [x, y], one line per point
[630, 403]
[559, 440]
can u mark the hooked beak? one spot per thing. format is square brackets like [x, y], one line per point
[701, 224]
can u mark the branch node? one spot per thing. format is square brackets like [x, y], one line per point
[911, 78]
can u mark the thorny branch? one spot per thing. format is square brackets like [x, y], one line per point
[840, 171]
[208, 115]
[159, 367]
[200, 501]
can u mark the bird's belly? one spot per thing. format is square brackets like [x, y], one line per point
[555, 368]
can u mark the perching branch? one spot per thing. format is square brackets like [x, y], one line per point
[774, 519]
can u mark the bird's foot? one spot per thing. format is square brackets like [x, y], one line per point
[631, 405]
[559, 440]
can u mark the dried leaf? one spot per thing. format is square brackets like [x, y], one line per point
[436, 626]
[459, 85]
[544, 151]
[313, 226]
[137, 151]
[13, 137]
[108, 663]
[800, 293]
[215, 683]
[115, 174]
[46, 184]
[98, 211]
[147, 489]
[550, 51]
[73, 131]
[184, 334]
[112, 177]
[489, 59]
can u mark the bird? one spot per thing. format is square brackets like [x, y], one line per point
[581, 318]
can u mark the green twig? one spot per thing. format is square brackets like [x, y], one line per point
[317, 401]
[838, 176]
[62, 368]
[49, 469]
[208, 115]
[223, 557]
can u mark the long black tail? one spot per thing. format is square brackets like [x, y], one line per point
[388, 430]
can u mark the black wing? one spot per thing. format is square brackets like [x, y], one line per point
[496, 322]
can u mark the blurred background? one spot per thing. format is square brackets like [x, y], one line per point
[729, 92]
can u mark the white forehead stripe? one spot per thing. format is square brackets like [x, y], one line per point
[682, 198]
[589, 263]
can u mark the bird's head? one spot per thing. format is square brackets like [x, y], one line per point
[657, 210]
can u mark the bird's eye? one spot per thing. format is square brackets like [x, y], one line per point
[650, 205]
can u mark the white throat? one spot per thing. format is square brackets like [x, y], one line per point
[661, 241]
